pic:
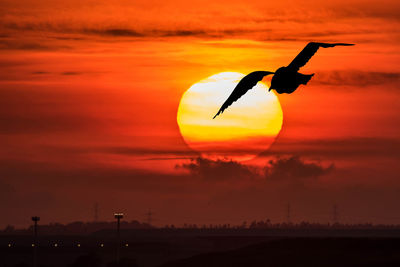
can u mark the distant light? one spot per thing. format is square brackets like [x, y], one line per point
[126, 245]
[9, 245]
[56, 245]
[101, 245]
[79, 245]
[33, 245]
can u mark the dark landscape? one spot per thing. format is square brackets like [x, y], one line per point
[263, 245]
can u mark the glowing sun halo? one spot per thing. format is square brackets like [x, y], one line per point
[248, 127]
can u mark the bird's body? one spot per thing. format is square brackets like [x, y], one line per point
[285, 80]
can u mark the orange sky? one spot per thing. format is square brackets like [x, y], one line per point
[89, 92]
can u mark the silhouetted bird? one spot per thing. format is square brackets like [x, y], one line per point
[285, 79]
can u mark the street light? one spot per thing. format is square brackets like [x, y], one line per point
[35, 220]
[118, 216]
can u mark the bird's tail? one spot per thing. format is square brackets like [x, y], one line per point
[304, 78]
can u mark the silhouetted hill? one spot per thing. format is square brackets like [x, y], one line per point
[303, 252]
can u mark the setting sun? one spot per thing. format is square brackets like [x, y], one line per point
[246, 129]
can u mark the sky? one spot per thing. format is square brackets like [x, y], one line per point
[89, 94]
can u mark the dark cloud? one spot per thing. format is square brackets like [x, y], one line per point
[330, 33]
[128, 32]
[362, 11]
[45, 123]
[67, 31]
[181, 197]
[65, 73]
[293, 168]
[137, 151]
[182, 33]
[140, 151]
[344, 148]
[19, 43]
[40, 72]
[355, 78]
[68, 173]
[71, 73]
[120, 32]
[218, 169]
[260, 30]
[281, 169]
[282, 23]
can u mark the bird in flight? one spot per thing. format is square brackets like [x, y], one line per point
[285, 80]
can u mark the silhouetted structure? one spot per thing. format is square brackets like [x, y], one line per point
[35, 220]
[118, 216]
[285, 80]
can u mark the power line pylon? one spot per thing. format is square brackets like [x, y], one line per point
[149, 215]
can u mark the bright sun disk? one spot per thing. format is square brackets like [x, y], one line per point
[248, 127]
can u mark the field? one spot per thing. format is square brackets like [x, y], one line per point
[211, 247]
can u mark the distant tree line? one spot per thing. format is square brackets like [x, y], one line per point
[75, 228]
[267, 224]
[91, 227]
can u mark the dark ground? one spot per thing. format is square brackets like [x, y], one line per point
[215, 247]
[303, 252]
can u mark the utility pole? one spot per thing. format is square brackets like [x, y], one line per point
[96, 212]
[288, 213]
[35, 220]
[118, 216]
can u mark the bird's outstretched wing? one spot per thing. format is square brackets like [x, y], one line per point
[307, 53]
[245, 84]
